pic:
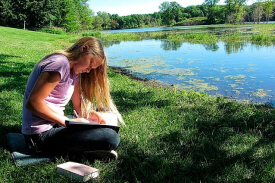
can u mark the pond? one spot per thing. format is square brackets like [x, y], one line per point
[152, 29]
[240, 70]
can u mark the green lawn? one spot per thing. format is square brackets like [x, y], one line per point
[170, 136]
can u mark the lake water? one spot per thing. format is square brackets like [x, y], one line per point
[151, 29]
[240, 71]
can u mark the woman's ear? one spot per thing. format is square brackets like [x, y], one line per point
[84, 48]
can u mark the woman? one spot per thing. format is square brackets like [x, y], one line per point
[80, 74]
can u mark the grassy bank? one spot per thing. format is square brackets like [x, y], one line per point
[171, 135]
[257, 33]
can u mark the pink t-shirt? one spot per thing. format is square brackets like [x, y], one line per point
[56, 100]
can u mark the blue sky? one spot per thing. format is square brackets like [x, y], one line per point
[128, 7]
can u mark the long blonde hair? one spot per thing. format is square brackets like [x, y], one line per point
[93, 86]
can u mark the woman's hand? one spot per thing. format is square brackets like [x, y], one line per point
[83, 120]
[95, 117]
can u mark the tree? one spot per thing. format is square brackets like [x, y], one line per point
[13, 12]
[86, 15]
[156, 19]
[257, 12]
[105, 18]
[235, 8]
[177, 11]
[194, 11]
[97, 23]
[72, 17]
[268, 9]
[170, 12]
[211, 10]
[114, 21]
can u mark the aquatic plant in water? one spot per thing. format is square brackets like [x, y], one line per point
[198, 85]
[261, 93]
[240, 76]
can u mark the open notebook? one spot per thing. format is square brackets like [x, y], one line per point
[110, 119]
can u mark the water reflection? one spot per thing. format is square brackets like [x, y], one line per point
[211, 47]
[234, 47]
[230, 47]
[171, 45]
[239, 70]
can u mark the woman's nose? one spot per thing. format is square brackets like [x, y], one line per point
[88, 70]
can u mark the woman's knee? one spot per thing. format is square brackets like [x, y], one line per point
[112, 138]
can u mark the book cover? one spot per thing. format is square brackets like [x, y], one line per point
[77, 171]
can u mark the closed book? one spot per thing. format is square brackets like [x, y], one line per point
[77, 171]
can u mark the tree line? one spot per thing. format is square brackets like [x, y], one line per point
[76, 16]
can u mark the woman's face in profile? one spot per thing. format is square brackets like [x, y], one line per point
[86, 63]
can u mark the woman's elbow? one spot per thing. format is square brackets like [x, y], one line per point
[30, 104]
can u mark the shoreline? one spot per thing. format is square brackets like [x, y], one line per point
[155, 84]
[125, 72]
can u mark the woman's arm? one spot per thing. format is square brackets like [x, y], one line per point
[42, 88]
[76, 99]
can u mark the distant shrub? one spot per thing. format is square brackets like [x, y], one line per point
[94, 34]
[192, 21]
[53, 30]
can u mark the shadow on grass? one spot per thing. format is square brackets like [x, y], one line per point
[230, 147]
[126, 100]
[14, 74]
[13, 79]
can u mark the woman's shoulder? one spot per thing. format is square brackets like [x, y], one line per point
[55, 62]
[57, 57]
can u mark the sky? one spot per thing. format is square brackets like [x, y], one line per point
[128, 7]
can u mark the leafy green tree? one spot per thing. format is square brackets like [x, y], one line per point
[211, 10]
[114, 21]
[194, 11]
[166, 13]
[156, 19]
[235, 8]
[257, 12]
[177, 11]
[268, 9]
[86, 15]
[13, 12]
[105, 18]
[248, 15]
[43, 13]
[170, 12]
[129, 23]
[137, 20]
[72, 17]
[117, 22]
[97, 23]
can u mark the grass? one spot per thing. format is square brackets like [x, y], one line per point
[171, 135]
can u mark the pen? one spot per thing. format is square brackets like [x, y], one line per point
[75, 113]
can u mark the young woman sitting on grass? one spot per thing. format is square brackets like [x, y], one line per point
[80, 74]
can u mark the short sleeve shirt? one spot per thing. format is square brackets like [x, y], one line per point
[56, 100]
